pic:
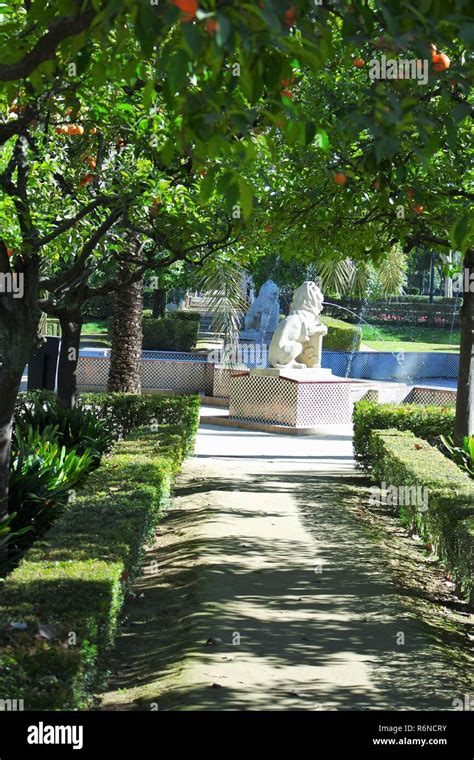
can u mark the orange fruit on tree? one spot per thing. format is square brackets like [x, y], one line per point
[61, 130]
[9, 253]
[290, 16]
[359, 63]
[287, 93]
[340, 178]
[418, 209]
[441, 62]
[212, 25]
[93, 131]
[86, 179]
[188, 7]
[91, 162]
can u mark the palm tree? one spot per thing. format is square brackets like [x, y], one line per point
[127, 336]
[221, 279]
[359, 279]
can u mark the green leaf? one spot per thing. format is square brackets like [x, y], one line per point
[460, 233]
[207, 186]
[246, 197]
[178, 71]
[223, 30]
[461, 110]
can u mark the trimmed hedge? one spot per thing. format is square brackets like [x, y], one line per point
[70, 586]
[401, 459]
[171, 333]
[427, 422]
[122, 412]
[342, 336]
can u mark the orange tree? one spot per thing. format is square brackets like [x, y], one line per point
[209, 76]
[390, 168]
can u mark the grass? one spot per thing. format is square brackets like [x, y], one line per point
[410, 338]
[94, 335]
[382, 338]
[90, 328]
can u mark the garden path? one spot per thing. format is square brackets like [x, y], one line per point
[264, 556]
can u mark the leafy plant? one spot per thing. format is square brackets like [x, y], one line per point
[463, 455]
[43, 473]
[6, 532]
[79, 429]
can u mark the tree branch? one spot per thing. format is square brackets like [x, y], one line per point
[45, 48]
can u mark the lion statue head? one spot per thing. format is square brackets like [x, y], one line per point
[308, 297]
[268, 293]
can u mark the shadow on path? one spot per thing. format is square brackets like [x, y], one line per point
[296, 592]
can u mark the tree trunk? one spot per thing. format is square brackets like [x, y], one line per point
[125, 360]
[19, 319]
[10, 379]
[465, 396]
[71, 327]
[159, 302]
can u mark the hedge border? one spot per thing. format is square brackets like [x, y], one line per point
[428, 422]
[342, 336]
[399, 458]
[72, 583]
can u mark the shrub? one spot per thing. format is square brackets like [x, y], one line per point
[78, 429]
[401, 459]
[170, 333]
[74, 580]
[43, 473]
[187, 316]
[122, 412]
[427, 422]
[342, 336]
[462, 455]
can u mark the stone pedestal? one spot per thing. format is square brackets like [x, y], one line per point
[295, 398]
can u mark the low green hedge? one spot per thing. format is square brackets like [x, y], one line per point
[427, 422]
[342, 336]
[171, 333]
[122, 412]
[69, 587]
[401, 459]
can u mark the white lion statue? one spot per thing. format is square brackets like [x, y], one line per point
[264, 312]
[297, 341]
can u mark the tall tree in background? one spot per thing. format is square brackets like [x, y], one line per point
[127, 336]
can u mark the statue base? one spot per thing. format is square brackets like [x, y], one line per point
[310, 374]
[297, 398]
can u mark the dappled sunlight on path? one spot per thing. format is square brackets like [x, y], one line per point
[264, 559]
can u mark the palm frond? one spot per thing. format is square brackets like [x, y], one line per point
[221, 281]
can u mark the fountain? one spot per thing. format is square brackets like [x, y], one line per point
[295, 394]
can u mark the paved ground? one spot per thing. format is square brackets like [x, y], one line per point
[263, 557]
